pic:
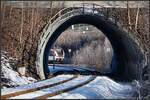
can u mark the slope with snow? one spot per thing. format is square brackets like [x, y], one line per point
[12, 77]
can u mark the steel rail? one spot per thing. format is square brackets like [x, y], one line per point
[36, 89]
[65, 90]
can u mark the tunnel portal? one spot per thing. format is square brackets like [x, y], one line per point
[128, 59]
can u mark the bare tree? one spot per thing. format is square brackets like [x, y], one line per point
[3, 11]
[129, 19]
[137, 15]
[21, 25]
[50, 5]
[11, 8]
[32, 21]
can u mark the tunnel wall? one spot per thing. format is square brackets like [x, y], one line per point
[128, 57]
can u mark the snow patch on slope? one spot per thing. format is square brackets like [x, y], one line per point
[11, 77]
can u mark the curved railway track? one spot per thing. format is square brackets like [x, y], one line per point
[66, 89]
[36, 89]
[14, 94]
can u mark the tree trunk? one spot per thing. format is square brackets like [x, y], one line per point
[51, 4]
[22, 69]
[3, 12]
[137, 15]
[21, 26]
[28, 12]
[129, 21]
[32, 21]
[10, 12]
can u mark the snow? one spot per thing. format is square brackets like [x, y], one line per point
[65, 67]
[54, 89]
[90, 11]
[15, 79]
[56, 69]
[35, 85]
[101, 88]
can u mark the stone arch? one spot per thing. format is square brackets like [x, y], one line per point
[128, 57]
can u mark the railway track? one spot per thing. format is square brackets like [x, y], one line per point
[65, 90]
[35, 89]
[15, 94]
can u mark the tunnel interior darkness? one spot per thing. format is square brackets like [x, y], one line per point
[127, 57]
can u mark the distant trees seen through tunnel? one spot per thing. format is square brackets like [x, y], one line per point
[86, 46]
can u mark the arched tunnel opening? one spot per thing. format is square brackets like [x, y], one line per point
[127, 60]
[85, 46]
[81, 46]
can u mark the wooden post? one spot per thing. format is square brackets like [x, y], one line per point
[22, 70]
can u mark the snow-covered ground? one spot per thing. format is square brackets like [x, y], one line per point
[70, 67]
[101, 88]
[13, 78]
[35, 85]
[61, 67]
